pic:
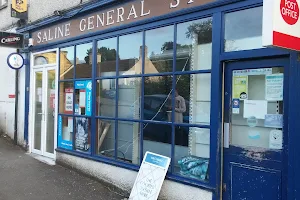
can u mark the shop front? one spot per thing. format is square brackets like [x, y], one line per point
[186, 79]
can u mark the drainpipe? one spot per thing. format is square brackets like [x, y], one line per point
[16, 106]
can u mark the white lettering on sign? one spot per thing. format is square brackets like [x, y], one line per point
[10, 40]
[289, 11]
[176, 3]
[58, 32]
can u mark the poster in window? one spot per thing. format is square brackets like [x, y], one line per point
[82, 134]
[240, 87]
[69, 100]
[274, 87]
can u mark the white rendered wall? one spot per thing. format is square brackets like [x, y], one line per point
[124, 179]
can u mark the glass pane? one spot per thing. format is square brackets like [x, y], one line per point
[257, 108]
[105, 141]
[83, 97]
[243, 29]
[106, 97]
[66, 66]
[157, 138]
[157, 99]
[130, 54]
[84, 59]
[194, 45]
[106, 57]
[159, 50]
[50, 112]
[192, 155]
[192, 99]
[129, 104]
[45, 58]
[66, 90]
[128, 142]
[38, 109]
[82, 134]
[65, 132]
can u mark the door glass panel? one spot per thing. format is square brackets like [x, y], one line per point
[257, 108]
[38, 110]
[50, 111]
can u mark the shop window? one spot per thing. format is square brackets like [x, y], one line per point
[194, 45]
[129, 92]
[159, 50]
[157, 138]
[243, 30]
[66, 96]
[130, 54]
[105, 141]
[129, 142]
[66, 66]
[107, 57]
[45, 58]
[106, 97]
[158, 92]
[84, 59]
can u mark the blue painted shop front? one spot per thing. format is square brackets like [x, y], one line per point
[234, 133]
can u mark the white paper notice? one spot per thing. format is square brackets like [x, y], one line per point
[274, 87]
[82, 99]
[69, 102]
[275, 141]
[253, 108]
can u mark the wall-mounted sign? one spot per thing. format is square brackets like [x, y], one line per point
[126, 13]
[12, 40]
[15, 61]
[150, 177]
[19, 9]
[281, 24]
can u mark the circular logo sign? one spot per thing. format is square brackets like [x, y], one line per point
[15, 61]
[289, 11]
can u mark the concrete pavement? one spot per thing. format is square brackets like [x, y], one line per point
[25, 178]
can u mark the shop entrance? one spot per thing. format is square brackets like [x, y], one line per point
[43, 107]
[43, 104]
[255, 129]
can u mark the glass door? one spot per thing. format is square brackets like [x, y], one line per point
[255, 131]
[44, 111]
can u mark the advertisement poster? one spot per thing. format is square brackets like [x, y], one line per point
[85, 96]
[52, 98]
[65, 144]
[69, 100]
[274, 120]
[274, 87]
[257, 109]
[240, 87]
[236, 106]
[82, 134]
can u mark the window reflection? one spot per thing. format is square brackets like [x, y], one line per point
[194, 45]
[106, 97]
[159, 50]
[157, 99]
[84, 53]
[130, 53]
[106, 57]
[129, 103]
[243, 30]
[66, 66]
[45, 58]
[105, 142]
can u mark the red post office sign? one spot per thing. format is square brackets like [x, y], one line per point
[281, 24]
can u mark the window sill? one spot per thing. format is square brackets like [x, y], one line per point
[176, 178]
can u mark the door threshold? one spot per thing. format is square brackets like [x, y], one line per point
[46, 160]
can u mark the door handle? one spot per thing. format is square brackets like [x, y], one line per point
[40, 113]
